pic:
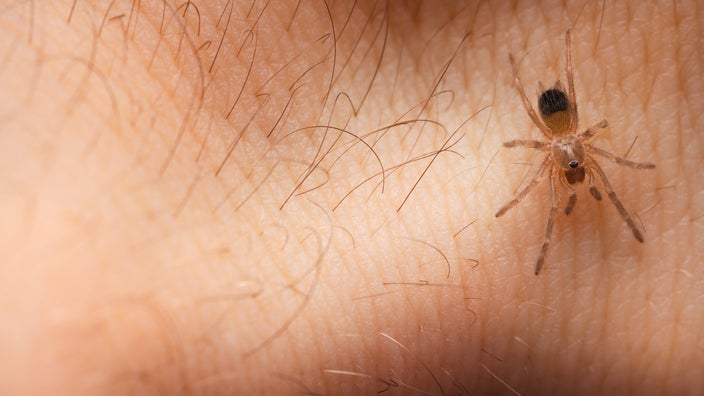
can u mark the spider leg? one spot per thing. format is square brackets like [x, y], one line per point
[534, 144]
[619, 160]
[527, 189]
[617, 203]
[549, 227]
[526, 103]
[574, 116]
[593, 130]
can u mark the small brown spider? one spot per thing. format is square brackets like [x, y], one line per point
[569, 158]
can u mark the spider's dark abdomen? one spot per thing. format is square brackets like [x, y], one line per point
[552, 101]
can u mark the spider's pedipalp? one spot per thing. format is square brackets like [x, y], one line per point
[595, 193]
[592, 187]
[570, 203]
[572, 193]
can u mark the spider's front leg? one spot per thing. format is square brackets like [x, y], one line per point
[607, 186]
[617, 202]
[551, 221]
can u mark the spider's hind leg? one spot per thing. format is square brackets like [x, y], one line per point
[570, 83]
[526, 103]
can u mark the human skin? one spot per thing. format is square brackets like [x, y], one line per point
[173, 222]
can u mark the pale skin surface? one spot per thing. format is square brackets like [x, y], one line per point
[135, 257]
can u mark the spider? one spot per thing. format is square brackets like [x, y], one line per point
[569, 159]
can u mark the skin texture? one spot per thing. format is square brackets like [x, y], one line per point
[174, 223]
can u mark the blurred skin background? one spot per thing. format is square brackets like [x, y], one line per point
[298, 197]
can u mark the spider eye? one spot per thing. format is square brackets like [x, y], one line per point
[573, 164]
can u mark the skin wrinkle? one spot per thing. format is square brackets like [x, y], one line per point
[108, 229]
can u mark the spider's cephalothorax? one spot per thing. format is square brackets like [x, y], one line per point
[568, 158]
[568, 153]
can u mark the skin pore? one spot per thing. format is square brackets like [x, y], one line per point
[282, 198]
